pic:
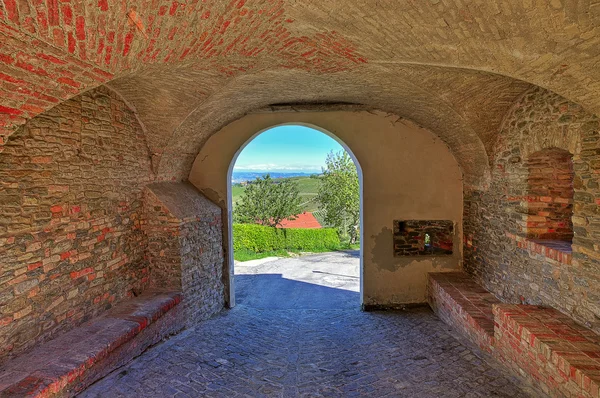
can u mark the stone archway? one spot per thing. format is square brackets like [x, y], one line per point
[230, 204]
[408, 173]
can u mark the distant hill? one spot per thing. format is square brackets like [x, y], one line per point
[241, 176]
[308, 190]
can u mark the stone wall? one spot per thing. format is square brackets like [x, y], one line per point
[71, 245]
[495, 251]
[185, 246]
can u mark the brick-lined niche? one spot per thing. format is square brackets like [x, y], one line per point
[423, 237]
[502, 250]
[550, 195]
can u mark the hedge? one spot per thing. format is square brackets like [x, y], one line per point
[259, 238]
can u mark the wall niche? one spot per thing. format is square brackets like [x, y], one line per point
[423, 237]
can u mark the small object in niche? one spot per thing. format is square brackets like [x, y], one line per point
[423, 237]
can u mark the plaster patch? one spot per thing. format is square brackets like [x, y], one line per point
[381, 254]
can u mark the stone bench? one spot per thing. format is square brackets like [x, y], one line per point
[71, 362]
[463, 304]
[549, 348]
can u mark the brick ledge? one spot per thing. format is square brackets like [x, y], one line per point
[557, 354]
[74, 360]
[465, 305]
[538, 248]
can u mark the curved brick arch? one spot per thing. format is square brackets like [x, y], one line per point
[464, 126]
[52, 51]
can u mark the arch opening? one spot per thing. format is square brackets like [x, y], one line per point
[300, 220]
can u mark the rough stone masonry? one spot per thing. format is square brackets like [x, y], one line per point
[74, 237]
[496, 218]
[99, 100]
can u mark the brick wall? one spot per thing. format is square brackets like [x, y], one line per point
[185, 247]
[494, 251]
[71, 245]
[423, 237]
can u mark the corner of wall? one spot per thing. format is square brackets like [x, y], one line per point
[185, 252]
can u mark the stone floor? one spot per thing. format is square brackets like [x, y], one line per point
[276, 344]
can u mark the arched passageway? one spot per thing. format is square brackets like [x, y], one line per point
[344, 267]
[119, 120]
[407, 174]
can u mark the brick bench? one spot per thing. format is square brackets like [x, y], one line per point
[74, 360]
[463, 304]
[549, 348]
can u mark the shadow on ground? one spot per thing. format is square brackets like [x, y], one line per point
[297, 331]
[275, 292]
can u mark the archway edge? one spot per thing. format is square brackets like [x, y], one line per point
[312, 126]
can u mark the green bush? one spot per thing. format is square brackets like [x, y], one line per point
[258, 239]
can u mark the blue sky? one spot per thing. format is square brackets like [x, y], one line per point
[287, 148]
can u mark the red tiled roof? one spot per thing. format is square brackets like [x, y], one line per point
[304, 220]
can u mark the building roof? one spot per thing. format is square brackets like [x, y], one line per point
[304, 220]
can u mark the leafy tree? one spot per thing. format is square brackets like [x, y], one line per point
[339, 194]
[268, 202]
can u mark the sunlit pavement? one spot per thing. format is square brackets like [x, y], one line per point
[297, 331]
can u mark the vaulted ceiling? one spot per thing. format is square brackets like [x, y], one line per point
[188, 68]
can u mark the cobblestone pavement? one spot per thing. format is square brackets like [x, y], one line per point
[253, 351]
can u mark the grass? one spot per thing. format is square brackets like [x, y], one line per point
[307, 186]
[246, 255]
[348, 246]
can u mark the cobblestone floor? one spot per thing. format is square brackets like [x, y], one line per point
[297, 352]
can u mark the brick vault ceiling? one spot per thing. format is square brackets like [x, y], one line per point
[188, 68]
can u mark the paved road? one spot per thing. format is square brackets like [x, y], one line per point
[323, 281]
[297, 332]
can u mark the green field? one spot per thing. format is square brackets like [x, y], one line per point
[308, 192]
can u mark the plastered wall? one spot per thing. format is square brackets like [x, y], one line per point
[408, 173]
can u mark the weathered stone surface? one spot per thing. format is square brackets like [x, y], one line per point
[496, 249]
[552, 351]
[70, 240]
[423, 237]
[172, 59]
[68, 364]
[185, 246]
[549, 205]
[263, 348]
[464, 305]
[71, 179]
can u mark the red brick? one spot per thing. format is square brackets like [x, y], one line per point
[11, 10]
[10, 111]
[83, 272]
[69, 81]
[80, 27]
[56, 209]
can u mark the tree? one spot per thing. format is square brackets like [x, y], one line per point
[339, 194]
[268, 202]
